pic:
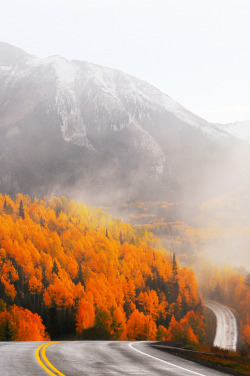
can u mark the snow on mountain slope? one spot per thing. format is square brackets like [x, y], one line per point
[120, 87]
[114, 91]
[98, 126]
[114, 83]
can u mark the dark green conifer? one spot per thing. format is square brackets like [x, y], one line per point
[120, 238]
[41, 221]
[21, 211]
[7, 331]
[55, 268]
[174, 267]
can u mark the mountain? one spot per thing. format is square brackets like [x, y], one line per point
[76, 128]
[239, 129]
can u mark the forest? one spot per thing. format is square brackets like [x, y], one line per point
[71, 271]
[214, 244]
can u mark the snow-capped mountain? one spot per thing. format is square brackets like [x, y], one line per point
[239, 129]
[76, 125]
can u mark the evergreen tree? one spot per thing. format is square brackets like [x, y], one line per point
[55, 268]
[42, 221]
[79, 275]
[174, 282]
[120, 238]
[217, 292]
[7, 208]
[174, 267]
[21, 211]
[107, 234]
[7, 331]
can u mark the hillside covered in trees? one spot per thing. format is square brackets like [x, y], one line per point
[227, 285]
[68, 271]
[215, 245]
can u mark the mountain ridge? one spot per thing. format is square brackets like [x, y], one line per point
[68, 76]
[85, 127]
[238, 129]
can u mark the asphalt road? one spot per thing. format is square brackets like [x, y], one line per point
[226, 330]
[94, 358]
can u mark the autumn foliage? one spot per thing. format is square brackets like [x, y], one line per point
[85, 274]
[220, 232]
[20, 324]
[227, 285]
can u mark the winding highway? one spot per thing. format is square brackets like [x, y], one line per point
[226, 330]
[99, 358]
[93, 358]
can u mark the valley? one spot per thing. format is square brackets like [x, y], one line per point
[120, 210]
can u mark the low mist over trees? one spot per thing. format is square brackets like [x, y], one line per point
[80, 273]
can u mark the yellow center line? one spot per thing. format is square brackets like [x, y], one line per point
[44, 361]
[47, 360]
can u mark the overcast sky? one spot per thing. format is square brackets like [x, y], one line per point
[196, 51]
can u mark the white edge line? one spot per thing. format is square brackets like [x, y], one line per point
[164, 361]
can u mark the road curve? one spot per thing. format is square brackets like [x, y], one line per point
[96, 358]
[226, 326]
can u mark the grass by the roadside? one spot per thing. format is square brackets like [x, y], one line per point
[219, 359]
[223, 358]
